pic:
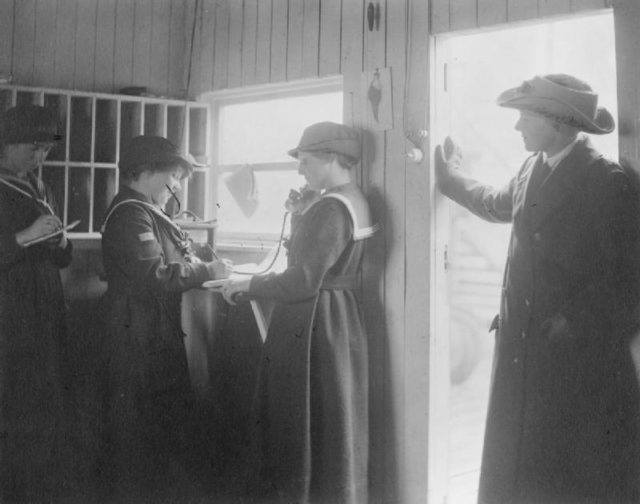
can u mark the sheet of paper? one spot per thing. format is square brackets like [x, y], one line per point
[51, 235]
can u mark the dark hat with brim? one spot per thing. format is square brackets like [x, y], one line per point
[27, 124]
[564, 104]
[146, 152]
[330, 137]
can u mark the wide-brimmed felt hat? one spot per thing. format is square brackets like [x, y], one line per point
[330, 137]
[146, 150]
[27, 124]
[563, 98]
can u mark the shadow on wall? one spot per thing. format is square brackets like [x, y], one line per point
[383, 457]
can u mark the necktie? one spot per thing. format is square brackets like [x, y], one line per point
[540, 173]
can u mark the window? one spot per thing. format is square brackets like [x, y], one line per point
[253, 131]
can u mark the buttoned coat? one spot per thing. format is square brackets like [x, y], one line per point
[562, 423]
[312, 406]
[149, 403]
[33, 346]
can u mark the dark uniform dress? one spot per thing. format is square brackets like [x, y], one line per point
[563, 420]
[150, 403]
[32, 349]
[313, 385]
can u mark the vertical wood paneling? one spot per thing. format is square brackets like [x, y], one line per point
[329, 54]
[491, 12]
[249, 37]
[294, 39]
[279, 27]
[6, 37]
[45, 47]
[518, 10]
[626, 21]
[263, 42]
[207, 26]
[383, 423]
[221, 55]
[85, 45]
[440, 16]
[553, 7]
[177, 53]
[351, 63]
[123, 55]
[310, 37]
[105, 46]
[582, 5]
[464, 14]
[24, 41]
[418, 299]
[65, 44]
[160, 39]
[234, 69]
[142, 28]
[395, 171]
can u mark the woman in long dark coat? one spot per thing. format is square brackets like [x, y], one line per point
[149, 264]
[32, 314]
[313, 386]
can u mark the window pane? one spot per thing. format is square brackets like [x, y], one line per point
[272, 191]
[263, 131]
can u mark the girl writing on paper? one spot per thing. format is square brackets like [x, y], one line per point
[312, 438]
[149, 264]
[32, 313]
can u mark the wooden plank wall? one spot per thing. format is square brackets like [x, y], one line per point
[452, 15]
[627, 20]
[96, 45]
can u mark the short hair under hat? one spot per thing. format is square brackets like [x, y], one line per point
[332, 138]
[28, 124]
[563, 98]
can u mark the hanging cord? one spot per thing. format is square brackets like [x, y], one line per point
[213, 252]
[196, 8]
[275, 257]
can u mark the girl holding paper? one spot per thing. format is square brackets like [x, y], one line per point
[32, 313]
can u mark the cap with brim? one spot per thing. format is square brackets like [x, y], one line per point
[27, 124]
[566, 105]
[144, 151]
[330, 137]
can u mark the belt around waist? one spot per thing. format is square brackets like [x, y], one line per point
[344, 282]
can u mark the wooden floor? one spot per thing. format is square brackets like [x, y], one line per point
[468, 412]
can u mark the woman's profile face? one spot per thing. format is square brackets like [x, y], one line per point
[155, 184]
[26, 157]
[314, 169]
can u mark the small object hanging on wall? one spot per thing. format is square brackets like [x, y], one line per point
[377, 95]
[371, 13]
[373, 16]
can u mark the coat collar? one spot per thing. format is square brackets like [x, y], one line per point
[555, 190]
[351, 197]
